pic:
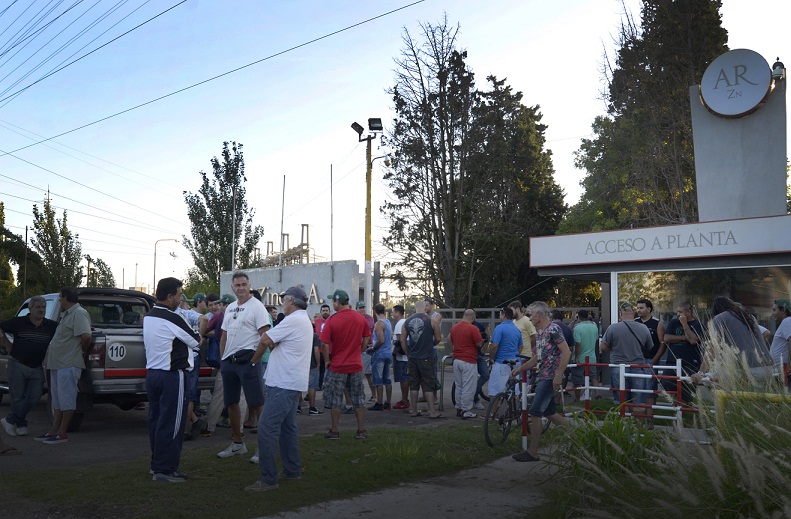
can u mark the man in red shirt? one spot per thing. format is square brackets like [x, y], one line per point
[344, 337]
[464, 343]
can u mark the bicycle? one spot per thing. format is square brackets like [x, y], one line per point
[505, 412]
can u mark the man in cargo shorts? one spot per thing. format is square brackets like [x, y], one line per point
[343, 339]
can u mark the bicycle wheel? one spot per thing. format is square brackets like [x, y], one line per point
[499, 418]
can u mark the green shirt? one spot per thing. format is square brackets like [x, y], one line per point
[65, 349]
[586, 333]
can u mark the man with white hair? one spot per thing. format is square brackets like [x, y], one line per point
[286, 378]
[552, 357]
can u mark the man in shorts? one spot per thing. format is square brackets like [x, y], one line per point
[552, 357]
[65, 360]
[344, 337]
[419, 335]
[245, 320]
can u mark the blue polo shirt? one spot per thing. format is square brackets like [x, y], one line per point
[508, 339]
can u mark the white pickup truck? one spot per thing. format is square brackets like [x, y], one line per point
[116, 361]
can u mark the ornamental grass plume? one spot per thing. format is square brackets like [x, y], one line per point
[743, 469]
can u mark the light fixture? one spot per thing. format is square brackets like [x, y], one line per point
[358, 128]
[778, 70]
[375, 124]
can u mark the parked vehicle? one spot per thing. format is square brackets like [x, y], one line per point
[116, 360]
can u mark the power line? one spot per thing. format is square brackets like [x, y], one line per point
[85, 186]
[88, 54]
[216, 77]
[89, 163]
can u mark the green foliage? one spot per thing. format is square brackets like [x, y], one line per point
[195, 282]
[59, 248]
[99, 273]
[619, 470]
[471, 179]
[211, 213]
[639, 166]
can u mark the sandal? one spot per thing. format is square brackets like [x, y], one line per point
[419, 413]
[10, 451]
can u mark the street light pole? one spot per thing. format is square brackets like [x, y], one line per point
[154, 286]
[374, 125]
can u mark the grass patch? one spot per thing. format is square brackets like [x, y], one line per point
[333, 470]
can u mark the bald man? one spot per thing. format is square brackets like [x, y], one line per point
[464, 343]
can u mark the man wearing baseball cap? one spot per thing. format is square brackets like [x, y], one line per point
[344, 337]
[781, 311]
[286, 378]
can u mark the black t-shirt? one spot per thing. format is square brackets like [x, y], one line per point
[30, 341]
[689, 354]
[652, 324]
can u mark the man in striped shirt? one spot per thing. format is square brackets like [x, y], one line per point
[168, 341]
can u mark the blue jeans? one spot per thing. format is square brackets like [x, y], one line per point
[277, 426]
[26, 386]
[483, 375]
[630, 383]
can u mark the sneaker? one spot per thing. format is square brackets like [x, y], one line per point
[376, 407]
[234, 449]
[401, 405]
[314, 410]
[42, 437]
[173, 477]
[332, 435]
[254, 457]
[468, 414]
[224, 422]
[478, 405]
[348, 410]
[260, 486]
[387, 406]
[21, 431]
[10, 429]
[299, 410]
[56, 438]
[205, 433]
[372, 399]
[361, 435]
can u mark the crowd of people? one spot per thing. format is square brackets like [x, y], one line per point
[267, 361]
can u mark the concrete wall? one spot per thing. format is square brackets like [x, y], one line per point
[740, 164]
[318, 279]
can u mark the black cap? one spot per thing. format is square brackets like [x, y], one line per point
[296, 293]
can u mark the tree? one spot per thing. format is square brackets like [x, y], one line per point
[99, 273]
[8, 292]
[469, 178]
[58, 247]
[639, 166]
[211, 214]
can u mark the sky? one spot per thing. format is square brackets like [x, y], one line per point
[122, 179]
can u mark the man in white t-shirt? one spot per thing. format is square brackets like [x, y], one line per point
[245, 320]
[291, 344]
[400, 360]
